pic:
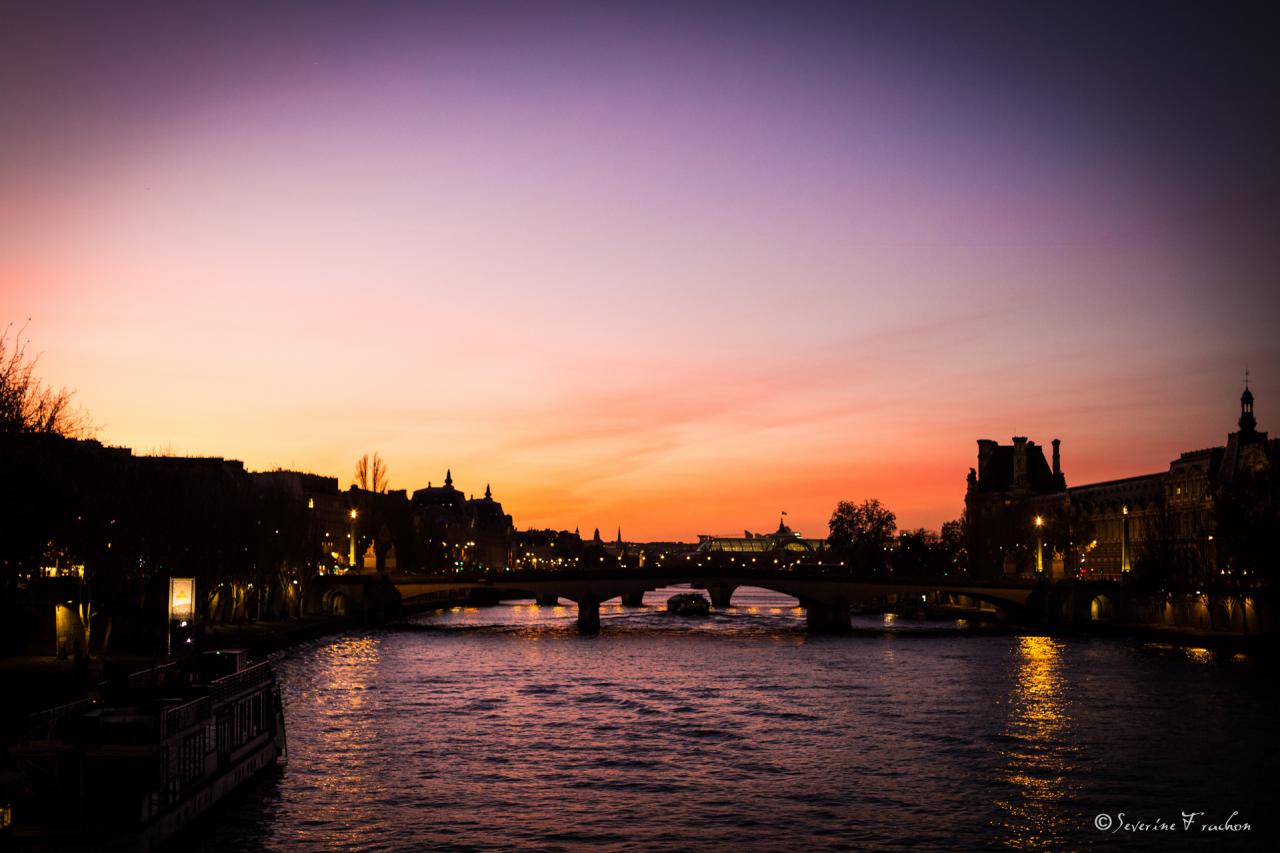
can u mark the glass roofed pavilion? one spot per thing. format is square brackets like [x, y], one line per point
[784, 540]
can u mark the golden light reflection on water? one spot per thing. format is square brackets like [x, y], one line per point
[1192, 653]
[349, 665]
[348, 670]
[1200, 655]
[1039, 754]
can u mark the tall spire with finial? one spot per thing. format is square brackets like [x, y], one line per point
[1248, 424]
[448, 478]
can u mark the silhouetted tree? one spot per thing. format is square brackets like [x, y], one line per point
[1160, 560]
[919, 554]
[284, 551]
[954, 542]
[371, 474]
[1068, 532]
[50, 512]
[862, 534]
[27, 404]
[1247, 527]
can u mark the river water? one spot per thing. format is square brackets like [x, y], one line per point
[500, 727]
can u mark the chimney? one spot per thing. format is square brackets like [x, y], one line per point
[1019, 461]
[1057, 458]
[986, 451]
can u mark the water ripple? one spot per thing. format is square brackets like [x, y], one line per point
[499, 728]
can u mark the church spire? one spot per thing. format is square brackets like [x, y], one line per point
[1247, 421]
[488, 495]
[448, 478]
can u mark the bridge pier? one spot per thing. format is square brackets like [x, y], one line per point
[633, 599]
[721, 593]
[827, 617]
[546, 599]
[589, 615]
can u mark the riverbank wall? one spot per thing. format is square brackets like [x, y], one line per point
[1089, 606]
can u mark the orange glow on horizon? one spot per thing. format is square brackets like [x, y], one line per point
[676, 298]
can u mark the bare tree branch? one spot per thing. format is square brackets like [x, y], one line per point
[27, 404]
[371, 473]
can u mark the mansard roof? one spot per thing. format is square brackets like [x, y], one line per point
[997, 473]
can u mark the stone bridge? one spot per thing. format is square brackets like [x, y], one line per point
[826, 597]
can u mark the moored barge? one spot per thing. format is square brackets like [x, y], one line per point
[130, 768]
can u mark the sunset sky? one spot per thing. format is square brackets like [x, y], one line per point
[674, 268]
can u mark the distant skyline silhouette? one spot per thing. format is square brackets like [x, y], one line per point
[667, 268]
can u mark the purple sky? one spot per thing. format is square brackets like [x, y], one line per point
[675, 269]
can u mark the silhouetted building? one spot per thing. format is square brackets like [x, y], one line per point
[1023, 518]
[384, 527]
[328, 512]
[546, 549]
[491, 532]
[457, 532]
[628, 554]
[1012, 486]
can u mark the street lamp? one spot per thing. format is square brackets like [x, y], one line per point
[351, 557]
[1039, 545]
[1124, 539]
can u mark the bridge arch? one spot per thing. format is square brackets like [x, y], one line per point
[825, 596]
[334, 603]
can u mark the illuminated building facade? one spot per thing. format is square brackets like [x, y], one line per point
[784, 545]
[1022, 515]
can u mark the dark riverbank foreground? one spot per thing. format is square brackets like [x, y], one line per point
[144, 757]
[34, 683]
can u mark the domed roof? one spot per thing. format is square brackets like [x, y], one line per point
[1247, 396]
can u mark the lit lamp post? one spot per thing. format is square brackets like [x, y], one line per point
[1039, 545]
[182, 612]
[1124, 539]
[351, 558]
